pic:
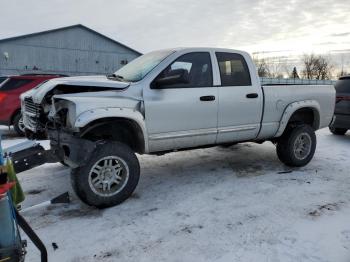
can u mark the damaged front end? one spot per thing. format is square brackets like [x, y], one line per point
[59, 112]
[34, 119]
[64, 138]
[70, 146]
[36, 106]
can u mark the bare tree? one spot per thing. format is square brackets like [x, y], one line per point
[276, 68]
[262, 67]
[316, 67]
[268, 67]
[342, 72]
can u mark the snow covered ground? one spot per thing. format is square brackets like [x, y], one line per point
[219, 204]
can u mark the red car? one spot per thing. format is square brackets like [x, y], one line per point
[11, 88]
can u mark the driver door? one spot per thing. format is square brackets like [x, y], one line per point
[183, 115]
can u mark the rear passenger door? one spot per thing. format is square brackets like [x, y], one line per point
[240, 99]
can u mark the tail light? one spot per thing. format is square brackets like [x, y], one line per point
[2, 96]
[342, 98]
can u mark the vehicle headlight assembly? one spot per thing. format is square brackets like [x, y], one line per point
[63, 113]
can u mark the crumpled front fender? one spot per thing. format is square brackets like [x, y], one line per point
[91, 115]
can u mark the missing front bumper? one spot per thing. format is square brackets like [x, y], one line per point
[75, 151]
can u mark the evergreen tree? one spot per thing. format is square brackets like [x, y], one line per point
[295, 73]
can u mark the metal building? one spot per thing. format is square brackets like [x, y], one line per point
[72, 50]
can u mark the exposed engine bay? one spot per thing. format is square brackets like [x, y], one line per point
[37, 115]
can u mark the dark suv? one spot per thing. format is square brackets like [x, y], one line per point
[342, 107]
[11, 87]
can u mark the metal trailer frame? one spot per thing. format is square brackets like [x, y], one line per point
[30, 154]
[26, 156]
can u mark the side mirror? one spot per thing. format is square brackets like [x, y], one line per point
[177, 76]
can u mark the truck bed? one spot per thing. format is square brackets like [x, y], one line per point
[278, 97]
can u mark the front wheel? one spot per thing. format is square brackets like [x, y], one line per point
[297, 146]
[110, 176]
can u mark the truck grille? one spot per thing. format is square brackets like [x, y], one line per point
[31, 107]
[31, 114]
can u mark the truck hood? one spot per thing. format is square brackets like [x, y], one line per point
[92, 83]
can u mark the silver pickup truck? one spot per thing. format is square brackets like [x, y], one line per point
[165, 101]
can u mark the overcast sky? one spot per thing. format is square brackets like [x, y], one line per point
[294, 26]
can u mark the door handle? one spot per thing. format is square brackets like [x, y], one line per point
[207, 98]
[252, 95]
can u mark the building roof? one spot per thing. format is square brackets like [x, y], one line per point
[68, 27]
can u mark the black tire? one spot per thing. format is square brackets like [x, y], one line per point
[286, 146]
[82, 182]
[338, 131]
[17, 125]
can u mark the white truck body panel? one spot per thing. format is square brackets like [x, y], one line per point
[39, 92]
[278, 98]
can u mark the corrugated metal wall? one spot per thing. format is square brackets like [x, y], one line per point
[71, 51]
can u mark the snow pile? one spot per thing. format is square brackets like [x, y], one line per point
[219, 204]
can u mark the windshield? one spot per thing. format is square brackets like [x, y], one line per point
[141, 66]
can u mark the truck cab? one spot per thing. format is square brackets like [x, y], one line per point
[204, 106]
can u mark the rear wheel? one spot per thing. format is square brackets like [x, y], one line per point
[110, 176]
[297, 146]
[18, 125]
[338, 131]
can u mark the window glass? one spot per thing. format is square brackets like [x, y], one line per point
[14, 84]
[181, 65]
[138, 68]
[198, 66]
[342, 86]
[233, 69]
[2, 79]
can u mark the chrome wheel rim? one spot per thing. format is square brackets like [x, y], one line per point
[108, 176]
[21, 124]
[302, 146]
